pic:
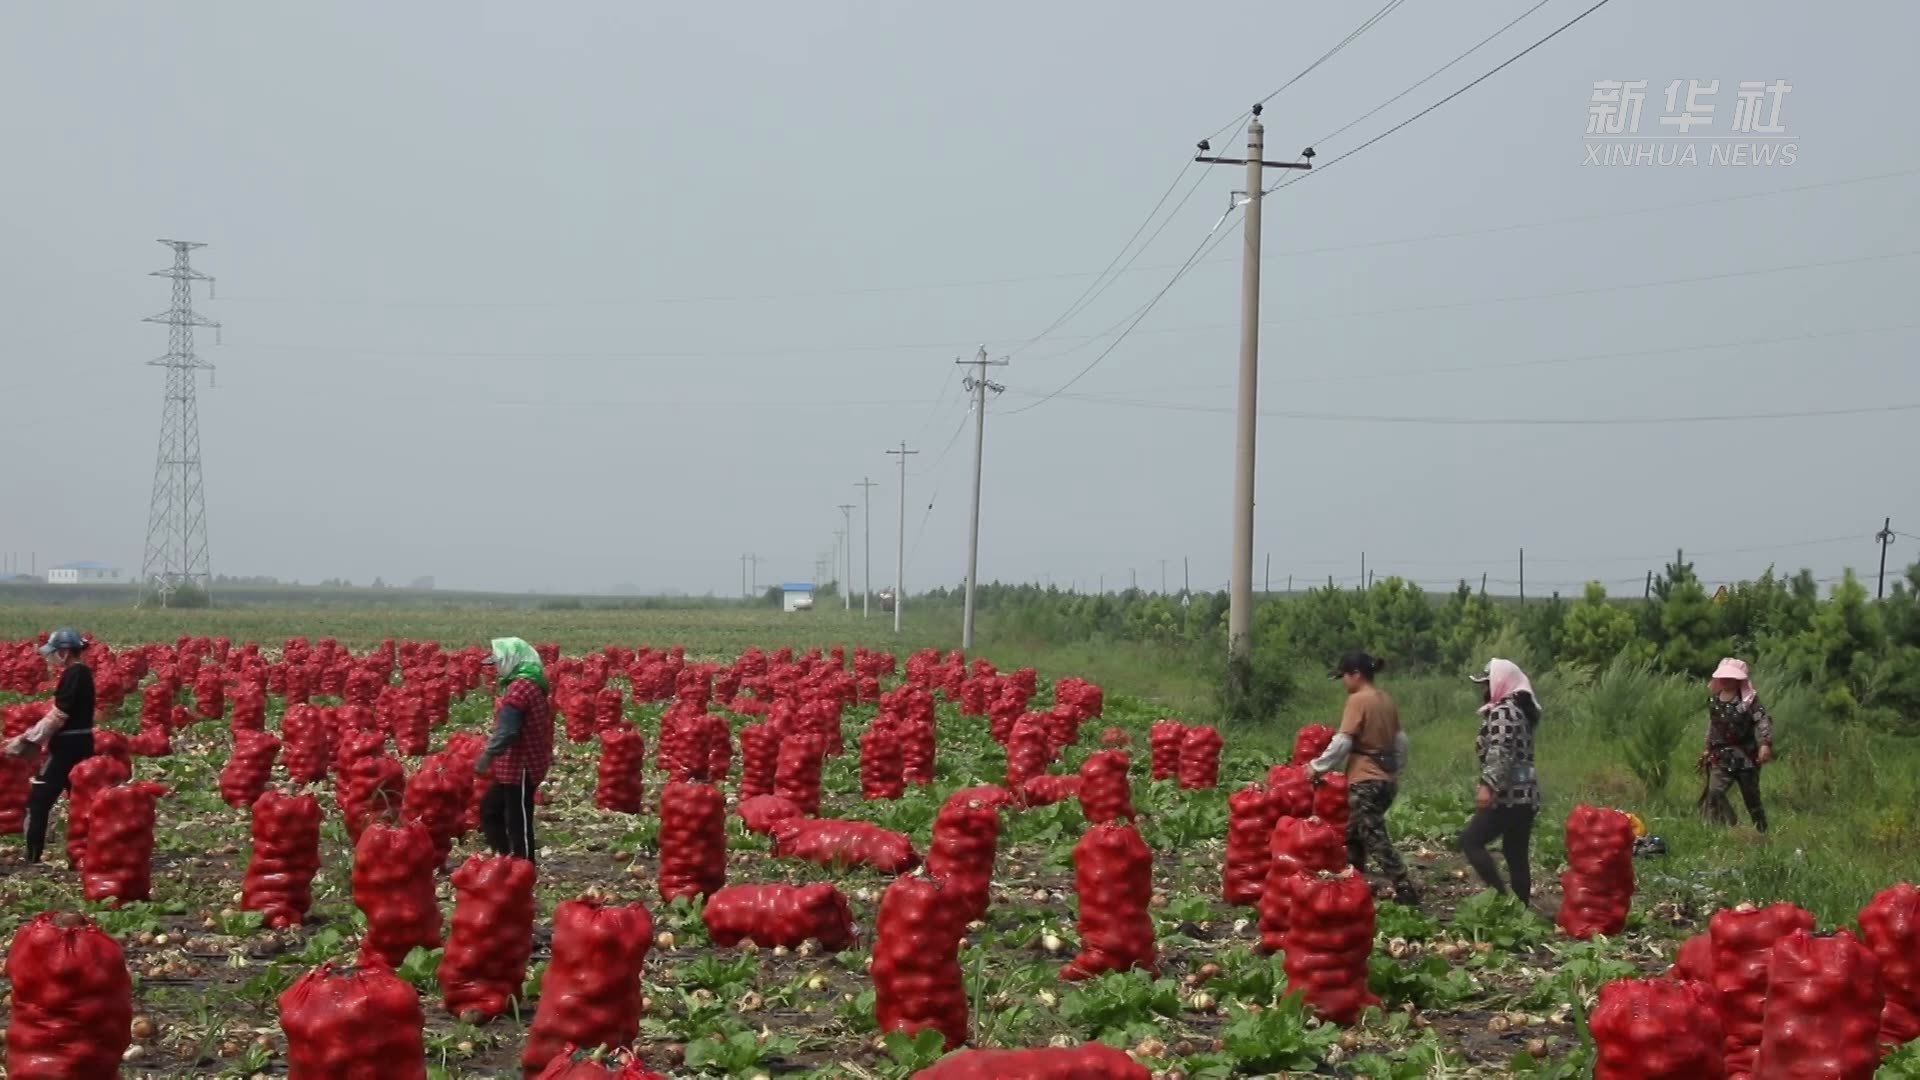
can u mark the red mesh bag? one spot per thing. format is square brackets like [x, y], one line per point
[693, 840]
[1028, 751]
[119, 862]
[1330, 800]
[84, 781]
[917, 750]
[1291, 790]
[759, 759]
[393, 869]
[1743, 940]
[882, 770]
[1310, 742]
[306, 751]
[1890, 925]
[762, 812]
[843, 844]
[1656, 1029]
[485, 962]
[436, 798]
[1251, 816]
[1089, 1061]
[590, 995]
[797, 777]
[1047, 789]
[1822, 1016]
[372, 789]
[916, 961]
[286, 856]
[71, 1011]
[779, 915]
[353, 1022]
[1200, 758]
[1105, 793]
[620, 785]
[1329, 937]
[966, 837]
[1113, 876]
[1298, 846]
[574, 1064]
[250, 767]
[1597, 888]
[1165, 740]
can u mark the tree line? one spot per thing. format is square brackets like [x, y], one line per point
[1860, 655]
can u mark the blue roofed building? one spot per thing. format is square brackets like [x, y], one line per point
[796, 596]
[82, 573]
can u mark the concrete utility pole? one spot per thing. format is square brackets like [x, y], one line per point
[1240, 583]
[846, 515]
[744, 594]
[1163, 577]
[979, 384]
[900, 545]
[866, 550]
[1885, 536]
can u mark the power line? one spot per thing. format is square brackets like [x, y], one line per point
[1513, 420]
[1089, 339]
[1515, 21]
[1423, 112]
[1504, 365]
[1146, 310]
[1092, 294]
[1352, 36]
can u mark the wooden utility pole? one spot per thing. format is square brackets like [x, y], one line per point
[1246, 412]
[1885, 536]
[900, 544]
[979, 384]
[1523, 577]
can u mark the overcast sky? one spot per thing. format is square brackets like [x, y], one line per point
[567, 295]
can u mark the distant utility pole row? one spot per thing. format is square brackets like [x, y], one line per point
[900, 545]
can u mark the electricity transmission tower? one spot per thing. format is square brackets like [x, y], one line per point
[176, 552]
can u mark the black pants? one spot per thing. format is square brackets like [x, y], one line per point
[67, 749]
[506, 816]
[1715, 805]
[1513, 826]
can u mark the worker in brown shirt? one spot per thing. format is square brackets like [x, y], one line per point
[1371, 748]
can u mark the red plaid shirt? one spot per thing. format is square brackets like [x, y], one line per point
[531, 752]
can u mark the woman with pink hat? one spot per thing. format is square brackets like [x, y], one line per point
[1739, 741]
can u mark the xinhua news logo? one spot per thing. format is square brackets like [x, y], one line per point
[1693, 129]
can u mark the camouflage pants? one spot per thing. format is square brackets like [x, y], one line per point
[1367, 803]
[1715, 806]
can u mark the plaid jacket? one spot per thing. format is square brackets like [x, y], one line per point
[531, 752]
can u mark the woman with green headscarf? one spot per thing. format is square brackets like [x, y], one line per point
[520, 752]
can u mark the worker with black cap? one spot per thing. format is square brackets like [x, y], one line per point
[1371, 748]
[66, 730]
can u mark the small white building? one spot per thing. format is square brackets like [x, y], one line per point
[796, 597]
[82, 573]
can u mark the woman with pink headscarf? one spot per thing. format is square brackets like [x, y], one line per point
[1508, 796]
[1739, 741]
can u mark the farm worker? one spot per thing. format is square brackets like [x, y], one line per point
[520, 752]
[1508, 796]
[66, 730]
[1371, 748]
[1739, 741]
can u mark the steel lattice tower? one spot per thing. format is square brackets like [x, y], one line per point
[176, 552]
